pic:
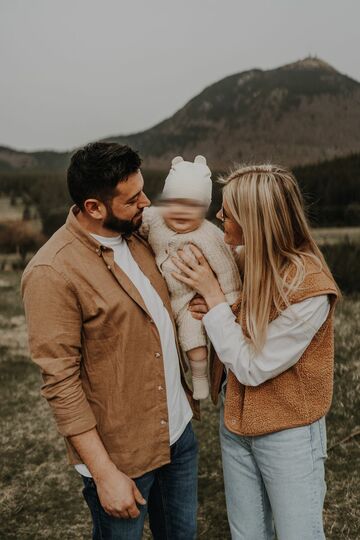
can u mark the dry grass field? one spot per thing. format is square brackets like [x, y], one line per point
[40, 494]
[9, 212]
[334, 235]
[14, 212]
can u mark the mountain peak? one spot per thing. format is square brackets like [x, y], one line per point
[299, 113]
[310, 63]
[302, 112]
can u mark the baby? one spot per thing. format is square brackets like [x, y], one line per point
[178, 221]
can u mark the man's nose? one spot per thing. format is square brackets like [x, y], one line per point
[144, 200]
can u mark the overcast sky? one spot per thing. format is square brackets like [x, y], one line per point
[73, 71]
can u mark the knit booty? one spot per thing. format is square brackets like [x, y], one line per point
[199, 378]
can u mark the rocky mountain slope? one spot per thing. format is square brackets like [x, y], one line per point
[300, 113]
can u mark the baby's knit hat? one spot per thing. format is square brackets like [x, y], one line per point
[187, 180]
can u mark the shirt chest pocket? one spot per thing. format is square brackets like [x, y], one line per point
[108, 313]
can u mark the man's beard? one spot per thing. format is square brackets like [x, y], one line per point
[122, 226]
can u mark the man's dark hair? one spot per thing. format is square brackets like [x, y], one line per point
[96, 169]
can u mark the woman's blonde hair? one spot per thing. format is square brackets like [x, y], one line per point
[266, 202]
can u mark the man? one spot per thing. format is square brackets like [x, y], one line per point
[101, 329]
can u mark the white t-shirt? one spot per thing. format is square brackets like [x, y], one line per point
[179, 409]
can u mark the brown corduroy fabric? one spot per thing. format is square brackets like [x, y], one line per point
[97, 347]
[296, 397]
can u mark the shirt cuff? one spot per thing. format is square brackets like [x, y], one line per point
[218, 314]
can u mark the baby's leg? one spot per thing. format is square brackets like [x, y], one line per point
[193, 341]
[198, 366]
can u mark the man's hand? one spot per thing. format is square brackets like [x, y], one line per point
[118, 494]
[198, 307]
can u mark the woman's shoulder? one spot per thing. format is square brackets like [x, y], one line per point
[317, 279]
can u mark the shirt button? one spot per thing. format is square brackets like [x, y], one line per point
[160, 387]
[157, 355]
[151, 321]
[109, 267]
[163, 422]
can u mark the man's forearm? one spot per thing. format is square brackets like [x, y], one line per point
[90, 448]
[117, 492]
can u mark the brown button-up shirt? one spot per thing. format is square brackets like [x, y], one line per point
[97, 347]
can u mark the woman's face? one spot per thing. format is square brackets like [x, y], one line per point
[233, 233]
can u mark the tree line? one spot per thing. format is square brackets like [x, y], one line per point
[331, 192]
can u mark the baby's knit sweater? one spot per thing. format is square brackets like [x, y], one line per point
[208, 238]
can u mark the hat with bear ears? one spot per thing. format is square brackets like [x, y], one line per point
[188, 180]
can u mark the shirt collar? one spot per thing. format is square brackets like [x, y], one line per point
[74, 227]
[109, 241]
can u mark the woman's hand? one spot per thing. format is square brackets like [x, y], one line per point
[198, 307]
[197, 273]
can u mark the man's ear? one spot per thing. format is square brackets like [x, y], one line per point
[95, 209]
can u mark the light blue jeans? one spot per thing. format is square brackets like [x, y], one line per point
[275, 481]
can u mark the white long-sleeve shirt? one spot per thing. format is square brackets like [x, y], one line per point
[287, 338]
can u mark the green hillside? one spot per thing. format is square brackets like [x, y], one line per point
[331, 191]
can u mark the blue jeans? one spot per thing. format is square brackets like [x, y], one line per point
[171, 495]
[275, 481]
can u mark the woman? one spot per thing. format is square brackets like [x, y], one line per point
[275, 351]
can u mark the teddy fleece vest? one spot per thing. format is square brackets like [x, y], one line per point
[296, 397]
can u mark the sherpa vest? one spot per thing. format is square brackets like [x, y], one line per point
[296, 397]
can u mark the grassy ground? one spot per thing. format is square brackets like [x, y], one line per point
[40, 495]
[9, 211]
[334, 235]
